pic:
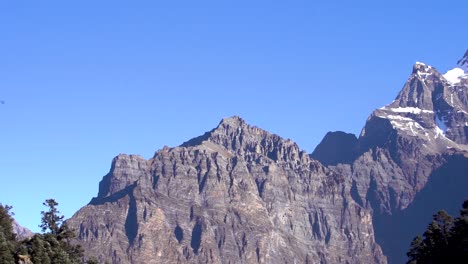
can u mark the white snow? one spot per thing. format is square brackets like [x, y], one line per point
[454, 75]
[413, 110]
[424, 74]
[440, 125]
[405, 124]
[420, 63]
[412, 126]
[439, 132]
[395, 117]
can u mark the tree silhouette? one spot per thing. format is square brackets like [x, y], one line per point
[444, 241]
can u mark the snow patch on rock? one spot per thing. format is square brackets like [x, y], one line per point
[412, 110]
[455, 75]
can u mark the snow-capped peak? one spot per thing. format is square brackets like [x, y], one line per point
[455, 75]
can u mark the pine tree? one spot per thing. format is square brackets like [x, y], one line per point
[444, 241]
[7, 236]
[6, 222]
[6, 254]
[459, 239]
[39, 250]
[54, 246]
[416, 249]
[57, 235]
[51, 220]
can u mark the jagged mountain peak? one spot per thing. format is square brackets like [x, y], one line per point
[243, 195]
[463, 62]
[421, 67]
[419, 88]
[226, 124]
[431, 107]
[240, 138]
[234, 121]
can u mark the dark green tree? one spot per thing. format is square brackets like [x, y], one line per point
[416, 249]
[444, 241]
[53, 246]
[7, 236]
[6, 222]
[459, 237]
[51, 220]
[6, 254]
[436, 238]
[39, 250]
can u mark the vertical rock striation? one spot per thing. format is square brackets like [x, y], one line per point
[237, 194]
[418, 139]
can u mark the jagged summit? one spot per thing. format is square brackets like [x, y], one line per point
[240, 194]
[421, 67]
[431, 107]
[234, 121]
[463, 62]
[238, 137]
[228, 123]
[237, 194]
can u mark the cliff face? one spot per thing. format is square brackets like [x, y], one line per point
[405, 147]
[234, 195]
[21, 232]
[238, 194]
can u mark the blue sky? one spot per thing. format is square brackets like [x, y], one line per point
[85, 81]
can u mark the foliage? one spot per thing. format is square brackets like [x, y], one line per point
[53, 246]
[51, 220]
[7, 236]
[444, 241]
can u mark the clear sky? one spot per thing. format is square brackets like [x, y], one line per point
[83, 81]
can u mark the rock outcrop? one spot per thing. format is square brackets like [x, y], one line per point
[418, 139]
[237, 194]
[336, 147]
[21, 232]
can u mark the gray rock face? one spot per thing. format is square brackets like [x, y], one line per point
[234, 195]
[403, 149]
[410, 136]
[21, 232]
[238, 194]
[336, 147]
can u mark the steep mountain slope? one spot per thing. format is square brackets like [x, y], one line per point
[336, 147]
[238, 194]
[403, 149]
[234, 195]
[20, 231]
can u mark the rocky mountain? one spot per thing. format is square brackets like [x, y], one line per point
[238, 194]
[21, 232]
[336, 147]
[405, 148]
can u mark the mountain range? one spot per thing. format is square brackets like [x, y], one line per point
[239, 194]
